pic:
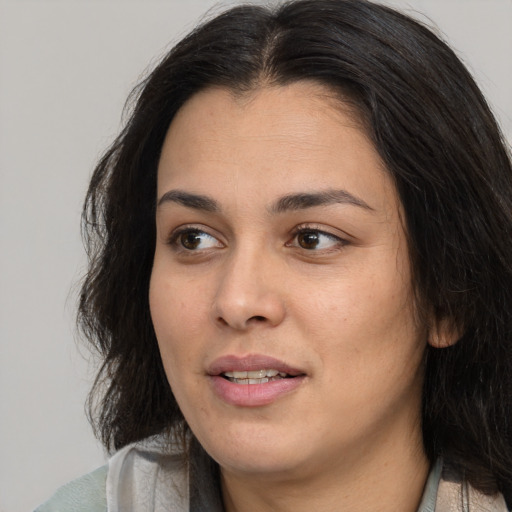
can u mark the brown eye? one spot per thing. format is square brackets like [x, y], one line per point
[308, 239]
[190, 239]
[316, 240]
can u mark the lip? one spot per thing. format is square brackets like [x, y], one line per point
[252, 362]
[252, 395]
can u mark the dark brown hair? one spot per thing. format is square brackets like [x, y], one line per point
[439, 141]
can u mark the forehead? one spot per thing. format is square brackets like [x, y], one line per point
[279, 140]
[295, 111]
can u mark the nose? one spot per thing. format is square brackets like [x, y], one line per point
[248, 292]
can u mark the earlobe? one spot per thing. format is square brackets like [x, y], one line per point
[443, 333]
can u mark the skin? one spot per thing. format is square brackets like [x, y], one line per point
[336, 302]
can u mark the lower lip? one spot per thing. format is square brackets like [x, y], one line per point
[253, 395]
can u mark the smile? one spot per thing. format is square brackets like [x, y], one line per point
[255, 377]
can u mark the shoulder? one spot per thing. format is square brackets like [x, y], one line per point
[152, 469]
[85, 494]
[456, 493]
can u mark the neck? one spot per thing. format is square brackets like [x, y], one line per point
[387, 476]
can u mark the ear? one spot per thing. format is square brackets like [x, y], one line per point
[443, 333]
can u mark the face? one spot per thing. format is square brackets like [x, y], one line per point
[281, 290]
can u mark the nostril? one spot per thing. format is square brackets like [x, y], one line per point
[258, 318]
[255, 319]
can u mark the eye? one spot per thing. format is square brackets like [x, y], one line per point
[193, 239]
[315, 239]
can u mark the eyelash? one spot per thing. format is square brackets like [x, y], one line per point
[338, 242]
[174, 239]
[303, 230]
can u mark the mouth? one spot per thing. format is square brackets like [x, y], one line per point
[255, 376]
[253, 367]
[254, 380]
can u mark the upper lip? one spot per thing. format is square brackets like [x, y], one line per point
[252, 362]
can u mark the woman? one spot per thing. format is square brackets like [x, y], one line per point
[300, 276]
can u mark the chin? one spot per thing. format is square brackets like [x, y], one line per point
[250, 449]
[258, 464]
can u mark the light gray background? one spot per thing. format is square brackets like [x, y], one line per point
[66, 68]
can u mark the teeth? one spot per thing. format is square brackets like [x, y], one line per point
[258, 374]
[254, 377]
[257, 381]
[252, 381]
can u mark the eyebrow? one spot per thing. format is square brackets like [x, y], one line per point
[194, 201]
[309, 200]
[290, 202]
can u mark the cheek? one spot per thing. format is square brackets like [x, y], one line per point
[180, 308]
[363, 303]
[364, 327]
[172, 315]
[173, 321]
[176, 302]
